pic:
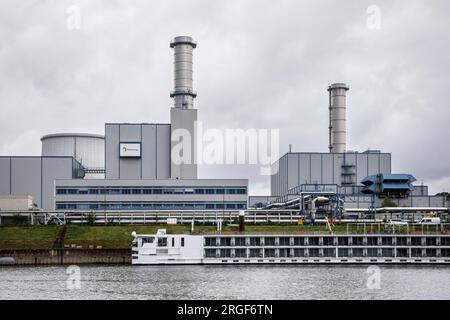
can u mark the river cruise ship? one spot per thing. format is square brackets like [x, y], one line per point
[365, 246]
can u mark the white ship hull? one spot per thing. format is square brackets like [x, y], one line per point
[164, 249]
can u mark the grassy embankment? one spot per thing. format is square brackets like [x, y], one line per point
[43, 237]
[119, 236]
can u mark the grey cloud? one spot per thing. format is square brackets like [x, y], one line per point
[259, 64]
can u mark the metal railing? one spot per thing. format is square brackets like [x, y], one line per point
[253, 217]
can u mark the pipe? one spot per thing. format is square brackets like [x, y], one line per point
[313, 206]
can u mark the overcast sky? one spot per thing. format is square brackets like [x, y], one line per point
[258, 64]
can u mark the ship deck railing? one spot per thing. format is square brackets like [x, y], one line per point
[349, 229]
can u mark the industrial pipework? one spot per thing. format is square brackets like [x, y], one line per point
[337, 126]
[183, 92]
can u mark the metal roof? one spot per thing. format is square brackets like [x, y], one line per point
[62, 135]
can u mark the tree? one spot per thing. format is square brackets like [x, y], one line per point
[445, 194]
[388, 203]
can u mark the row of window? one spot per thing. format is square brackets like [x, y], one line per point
[326, 241]
[331, 252]
[150, 205]
[162, 241]
[148, 190]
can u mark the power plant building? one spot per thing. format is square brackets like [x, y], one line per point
[131, 167]
[152, 166]
[342, 170]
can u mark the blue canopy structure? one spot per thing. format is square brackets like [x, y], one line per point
[388, 184]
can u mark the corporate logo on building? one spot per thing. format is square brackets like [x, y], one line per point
[130, 150]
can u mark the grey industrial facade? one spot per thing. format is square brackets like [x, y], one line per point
[154, 162]
[343, 169]
[35, 176]
[170, 194]
[139, 170]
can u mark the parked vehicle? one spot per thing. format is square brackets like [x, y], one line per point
[430, 220]
[397, 222]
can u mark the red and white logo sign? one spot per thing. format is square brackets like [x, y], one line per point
[130, 150]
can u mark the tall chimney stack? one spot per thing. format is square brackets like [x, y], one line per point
[183, 116]
[337, 126]
[183, 92]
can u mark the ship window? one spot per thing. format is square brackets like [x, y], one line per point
[255, 253]
[255, 241]
[328, 241]
[162, 242]
[182, 242]
[387, 241]
[173, 242]
[148, 240]
[239, 241]
[372, 241]
[240, 253]
[430, 241]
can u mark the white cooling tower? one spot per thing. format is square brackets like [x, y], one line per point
[88, 149]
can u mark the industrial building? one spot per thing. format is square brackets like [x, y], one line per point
[167, 194]
[344, 169]
[341, 179]
[129, 168]
[36, 175]
[138, 167]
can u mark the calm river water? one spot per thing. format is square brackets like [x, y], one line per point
[226, 282]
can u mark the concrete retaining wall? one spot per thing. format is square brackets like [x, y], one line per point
[68, 256]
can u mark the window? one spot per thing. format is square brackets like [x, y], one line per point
[147, 191]
[162, 242]
[148, 240]
[199, 191]
[241, 191]
[126, 191]
[231, 191]
[157, 191]
[94, 191]
[136, 191]
[114, 191]
[147, 206]
[210, 191]
[220, 191]
[189, 206]
[173, 242]
[182, 242]
[72, 191]
[61, 191]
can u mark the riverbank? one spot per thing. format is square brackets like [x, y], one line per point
[65, 256]
[114, 237]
